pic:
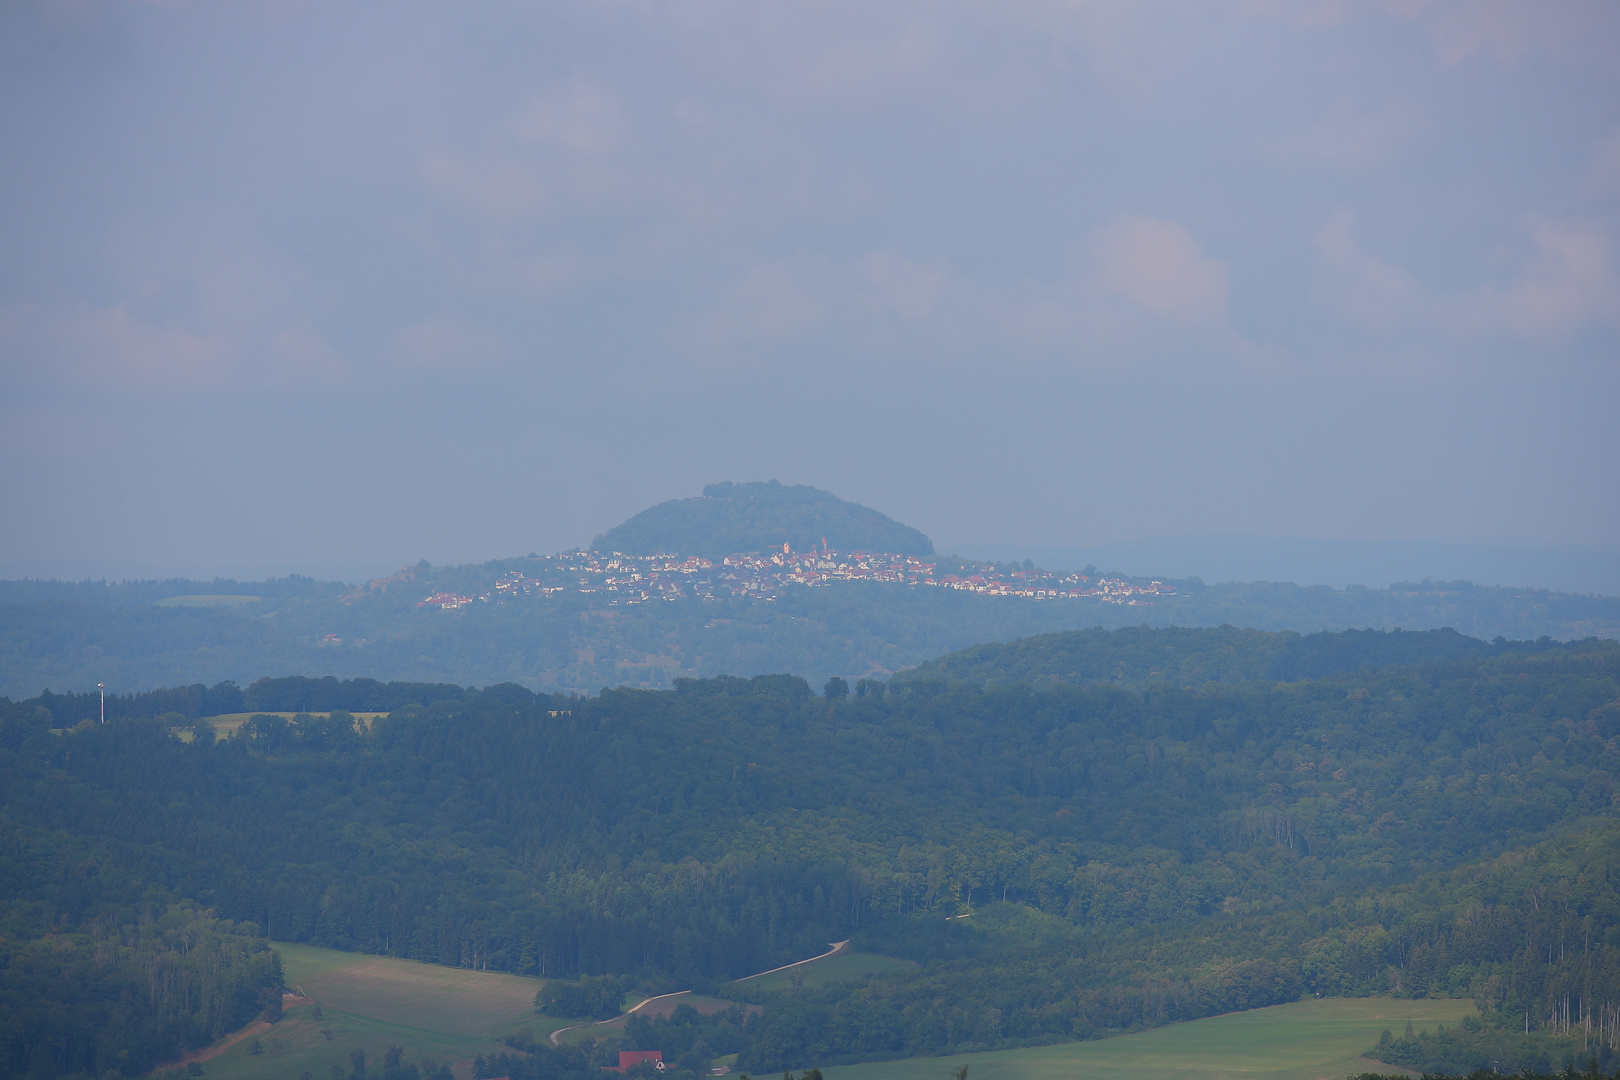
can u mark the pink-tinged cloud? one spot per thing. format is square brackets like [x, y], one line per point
[497, 189]
[1507, 32]
[580, 118]
[301, 354]
[442, 342]
[1510, 30]
[109, 347]
[1568, 282]
[1603, 174]
[763, 307]
[909, 289]
[1159, 266]
[1368, 291]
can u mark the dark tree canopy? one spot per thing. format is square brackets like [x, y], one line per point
[1194, 655]
[1132, 852]
[730, 517]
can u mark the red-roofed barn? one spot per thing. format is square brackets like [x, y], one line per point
[629, 1059]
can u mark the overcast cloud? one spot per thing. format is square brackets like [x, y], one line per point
[287, 282]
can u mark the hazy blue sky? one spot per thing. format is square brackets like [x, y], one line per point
[287, 282]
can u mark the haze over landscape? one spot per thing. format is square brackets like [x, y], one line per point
[1060, 539]
[283, 283]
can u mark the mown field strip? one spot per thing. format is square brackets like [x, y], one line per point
[845, 967]
[430, 997]
[369, 1003]
[1307, 1040]
[227, 723]
[300, 1044]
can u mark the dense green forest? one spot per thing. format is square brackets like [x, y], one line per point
[730, 517]
[1185, 656]
[1182, 657]
[122, 982]
[1131, 852]
[70, 637]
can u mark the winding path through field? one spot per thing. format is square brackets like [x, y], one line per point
[556, 1035]
[838, 947]
[258, 1027]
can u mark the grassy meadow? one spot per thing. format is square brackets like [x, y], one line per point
[664, 1007]
[371, 1003]
[845, 967]
[450, 1015]
[226, 723]
[1307, 1040]
[454, 1001]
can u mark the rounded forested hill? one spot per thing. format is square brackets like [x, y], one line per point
[1189, 656]
[729, 518]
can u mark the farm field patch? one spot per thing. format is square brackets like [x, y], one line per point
[429, 997]
[369, 1003]
[305, 1043]
[1306, 1040]
[662, 1007]
[227, 723]
[845, 967]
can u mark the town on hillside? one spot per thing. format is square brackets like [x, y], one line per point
[638, 579]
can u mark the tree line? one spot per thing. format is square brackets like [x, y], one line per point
[1130, 854]
[124, 989]
[293, 693]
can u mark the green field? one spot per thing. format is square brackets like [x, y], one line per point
[227, 723]
[1308, 1040]
[372, 1002]
[452, 1001]
[845, 967]
[588, 1030]
[452, 1014]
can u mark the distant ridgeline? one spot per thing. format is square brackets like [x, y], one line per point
[699, 587]
[294, 693]
[753, 517]
[737, 620]
[1145, 826]
[1192, 656]
[1130, 656]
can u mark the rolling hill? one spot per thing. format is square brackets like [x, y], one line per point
[71, 636]
[1059, 861]
[1189, 656]
[537, 622]
[729, 518]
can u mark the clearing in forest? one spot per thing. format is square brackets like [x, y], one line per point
[369, 1003]
[227, 723]
[453, 1001]
[845, 967]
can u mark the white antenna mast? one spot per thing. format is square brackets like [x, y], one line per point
[103, 688]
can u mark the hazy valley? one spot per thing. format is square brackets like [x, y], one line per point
[1051, 835]
[570, 624]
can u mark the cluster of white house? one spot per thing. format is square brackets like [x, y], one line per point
[635, 579]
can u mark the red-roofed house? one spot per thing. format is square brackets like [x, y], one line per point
[629, 1059]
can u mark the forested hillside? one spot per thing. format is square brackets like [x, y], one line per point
[1184, 656]
[137, 637]
[562, 633]
[1132, 655]
[119, 985]
[1132, 853]
[730, 517]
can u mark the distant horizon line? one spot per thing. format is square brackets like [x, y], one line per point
[1217, 552]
